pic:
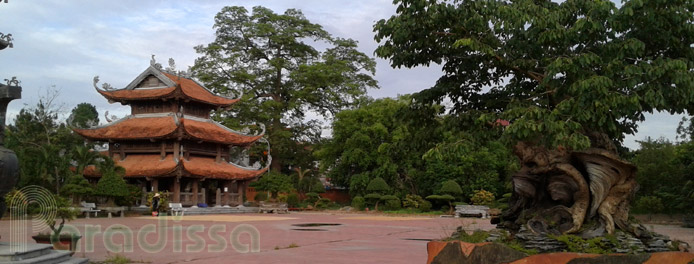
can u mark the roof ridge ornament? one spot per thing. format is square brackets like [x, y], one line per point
[12, 81]
[153, 63]
[104, 86]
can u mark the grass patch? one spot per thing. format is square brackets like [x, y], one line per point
[478, 236]
[598, 245]
[410, 211]
[292, 245]
[118, 259]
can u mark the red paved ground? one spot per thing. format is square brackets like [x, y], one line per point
[368, 240]
[362, 238]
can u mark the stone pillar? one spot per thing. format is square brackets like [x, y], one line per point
[218, 198]
[195, 193]
[241, 190]
[177, 190]
[227, 193]
[204, 195]
[143, 198]
[155, 185]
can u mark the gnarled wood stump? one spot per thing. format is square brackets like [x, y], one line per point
[559, 191]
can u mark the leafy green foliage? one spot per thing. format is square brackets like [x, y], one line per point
[470, 161]
[43, 145]
[378, 185]
[84, 115]
[111, 184]
[312, 197]
[598, 245]
[273, 59]
[293, 200]
[650, 204]
[392, 204]
[556, 70]
[260, 196]
[274, 183]
[482, 197]
[358, 203]
[382, 138]
[451, 187]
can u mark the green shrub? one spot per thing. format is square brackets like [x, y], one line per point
[312, 197]
[293, 200]
[412, 201]
[378, 185]
[482, 197]
[261, 196]
[323, 203]
[425, 206]
[282, 198]
[650, 204]
[392, 204]
[358, 203]
[451, 187]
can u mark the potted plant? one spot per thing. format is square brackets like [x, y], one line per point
[58, 240]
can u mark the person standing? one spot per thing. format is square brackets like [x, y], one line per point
[155, 205]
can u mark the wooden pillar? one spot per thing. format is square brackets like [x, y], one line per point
[163, 149]
[204, 195]
[219, 154]
[195, 193]
[177, 190]
[218, 198]
[155, 185]
[177, 147]
[241, 185]
[143, 198]
[227, 193]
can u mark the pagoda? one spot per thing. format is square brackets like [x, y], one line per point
[168, 142]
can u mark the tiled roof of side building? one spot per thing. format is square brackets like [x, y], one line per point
[208, 168]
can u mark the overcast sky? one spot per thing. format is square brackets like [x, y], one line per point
[66, 43]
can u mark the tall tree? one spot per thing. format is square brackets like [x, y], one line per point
[567, 76]
[271, 58]
[84, 115]
[43, 144]
[382, 138]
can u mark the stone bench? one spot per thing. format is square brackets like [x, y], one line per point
[117, 209]
[177, 208]
[279, 208]
[89, 208]
[471, 210]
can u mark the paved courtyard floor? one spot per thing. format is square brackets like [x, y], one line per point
[267, 238]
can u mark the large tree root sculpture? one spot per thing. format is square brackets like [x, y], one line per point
[559, 191]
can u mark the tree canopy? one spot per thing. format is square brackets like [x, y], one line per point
[272, 58]
[84, 115]
[557, 71]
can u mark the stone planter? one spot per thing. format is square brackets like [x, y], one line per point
[65, 241]
[493, 253]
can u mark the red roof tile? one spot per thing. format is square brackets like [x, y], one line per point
[208, 168]
[133, 127]
[213, 132]
[148, 127]
[148, 165]
[193, 90]
[137, 165]
[138, 94]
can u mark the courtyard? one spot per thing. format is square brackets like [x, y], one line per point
[326, 237]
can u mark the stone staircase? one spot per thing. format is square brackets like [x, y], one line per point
[36, 254]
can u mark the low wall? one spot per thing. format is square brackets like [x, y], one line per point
[440, 252]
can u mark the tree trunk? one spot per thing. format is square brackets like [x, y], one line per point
[557, 191]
